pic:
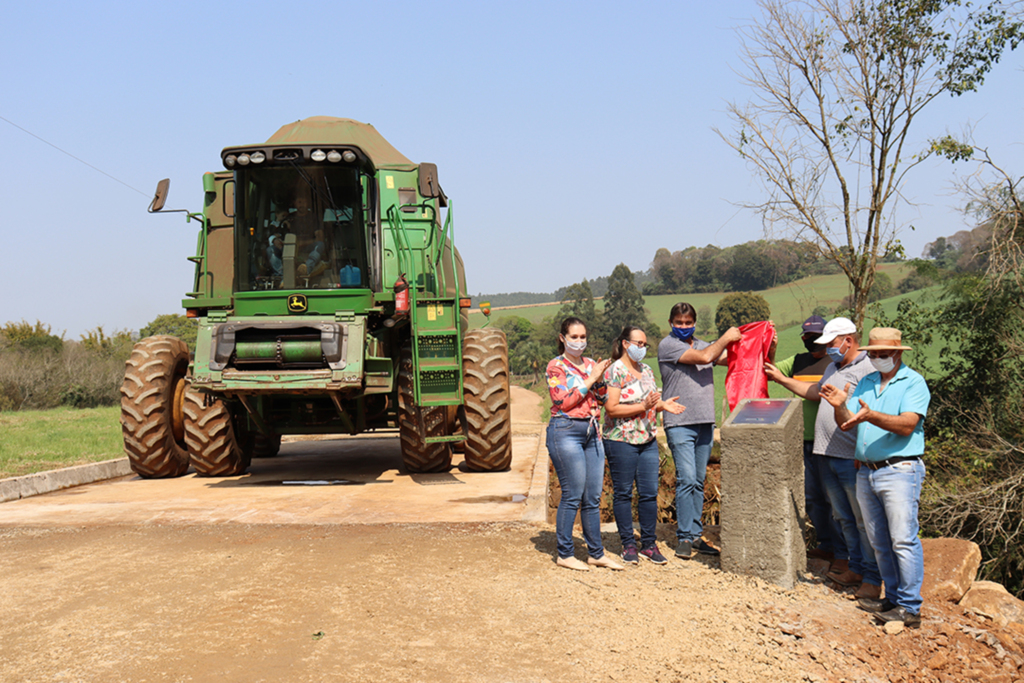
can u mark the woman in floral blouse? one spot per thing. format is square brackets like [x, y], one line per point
[630, 431]
[574, 444]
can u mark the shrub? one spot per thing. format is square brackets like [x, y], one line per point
[175, 324]
[740, 308]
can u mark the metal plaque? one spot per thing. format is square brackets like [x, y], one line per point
[760, 412]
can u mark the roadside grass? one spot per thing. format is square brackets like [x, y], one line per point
[40, 440]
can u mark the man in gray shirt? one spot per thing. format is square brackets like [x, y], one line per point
[687, 371]
[849, 364]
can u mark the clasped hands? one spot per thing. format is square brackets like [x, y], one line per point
[653, 400]
[838, 399]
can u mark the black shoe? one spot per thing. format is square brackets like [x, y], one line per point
[684, 550]
[869, 605]
[909, 619]
[651, 553]
[702, 547]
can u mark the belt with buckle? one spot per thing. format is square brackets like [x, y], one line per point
[879, 464]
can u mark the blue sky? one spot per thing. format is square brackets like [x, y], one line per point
[570, 136]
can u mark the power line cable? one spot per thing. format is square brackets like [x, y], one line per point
[74, 157]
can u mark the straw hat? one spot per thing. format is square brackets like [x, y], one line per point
[885, 339]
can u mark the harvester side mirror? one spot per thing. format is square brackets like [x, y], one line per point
[160, 198]
[429, 184]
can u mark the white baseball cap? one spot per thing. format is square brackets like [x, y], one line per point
[837, 327]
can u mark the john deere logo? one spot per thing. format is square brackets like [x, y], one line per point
[297, 303]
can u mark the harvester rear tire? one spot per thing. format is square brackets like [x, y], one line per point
[488, 409]
[154, 382]
[217, 447]
[417, 454]
[266, 446]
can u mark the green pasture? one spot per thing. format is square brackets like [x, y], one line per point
[790, 303]
[41, 440]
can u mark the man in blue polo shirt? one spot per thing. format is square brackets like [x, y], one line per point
[888, 408]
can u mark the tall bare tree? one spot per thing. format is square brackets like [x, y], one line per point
[836, 87]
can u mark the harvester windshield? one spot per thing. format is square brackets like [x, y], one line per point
[300, 227]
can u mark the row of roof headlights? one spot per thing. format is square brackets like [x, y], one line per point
[334, 156]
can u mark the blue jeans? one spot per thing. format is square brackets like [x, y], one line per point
[634, 463]
[578, 457]
[889, 499]
[841, 487]
[691, 449]
[819, 511]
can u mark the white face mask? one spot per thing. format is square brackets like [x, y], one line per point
[636, 353]
[575, 347]
[883, 365]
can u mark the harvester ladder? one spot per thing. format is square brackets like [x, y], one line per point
[434, 320]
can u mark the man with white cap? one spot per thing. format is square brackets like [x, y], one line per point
[836, 448]
[887, 410]
[809, 367]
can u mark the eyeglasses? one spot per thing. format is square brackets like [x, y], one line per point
[639, 344]
[881, 354]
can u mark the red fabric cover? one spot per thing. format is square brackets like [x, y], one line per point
[746, 378]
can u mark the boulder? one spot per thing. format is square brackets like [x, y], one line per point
[950, 565]
[993, 600]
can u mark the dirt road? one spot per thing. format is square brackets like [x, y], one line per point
[180, 598]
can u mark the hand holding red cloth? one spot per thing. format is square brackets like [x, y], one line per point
[746, 358]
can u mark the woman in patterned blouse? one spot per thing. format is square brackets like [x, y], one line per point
[574, 444]
[630, 434]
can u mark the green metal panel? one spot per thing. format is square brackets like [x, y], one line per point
[320, 302]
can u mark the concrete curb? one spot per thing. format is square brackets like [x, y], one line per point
[15, 488]
[537, 497]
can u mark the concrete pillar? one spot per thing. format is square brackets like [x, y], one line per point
[763, 491]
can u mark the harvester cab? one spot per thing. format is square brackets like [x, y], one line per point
[330, 299]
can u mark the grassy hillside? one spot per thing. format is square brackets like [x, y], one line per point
[790, 303]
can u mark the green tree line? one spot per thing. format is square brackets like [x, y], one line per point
[39, 369]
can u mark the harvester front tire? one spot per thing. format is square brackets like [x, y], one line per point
[417, 454]
[488, 409]
[216, 446]
[151, 395]
[266, 446]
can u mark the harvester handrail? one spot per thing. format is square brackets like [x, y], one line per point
[448, 236]
[403, 248]
[200, 259]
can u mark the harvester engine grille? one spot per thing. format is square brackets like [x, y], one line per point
[283, 351]
[278, 346]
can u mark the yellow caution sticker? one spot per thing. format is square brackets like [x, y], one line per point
[389, 181]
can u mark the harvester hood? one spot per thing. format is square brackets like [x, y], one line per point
[330, 130]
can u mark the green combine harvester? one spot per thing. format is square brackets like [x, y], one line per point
[330, 298]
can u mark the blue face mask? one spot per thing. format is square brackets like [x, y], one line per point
[836, 354]
[683, 333]
[636, 353]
